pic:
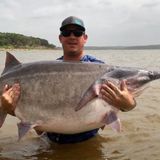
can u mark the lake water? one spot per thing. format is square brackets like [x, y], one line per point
[139, 140]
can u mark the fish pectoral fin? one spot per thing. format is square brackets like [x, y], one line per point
[112, 119]
[90, 94]
[116, 125]
[23, 129]
[3, 116]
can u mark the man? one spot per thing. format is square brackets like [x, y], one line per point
[73, 38]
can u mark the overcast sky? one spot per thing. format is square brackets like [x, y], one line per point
[107, 22]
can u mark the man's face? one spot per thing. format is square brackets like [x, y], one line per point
[72, 40]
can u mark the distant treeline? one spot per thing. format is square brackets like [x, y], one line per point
[156, 46]
[13, 40]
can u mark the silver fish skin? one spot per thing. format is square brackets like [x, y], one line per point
[63, 97]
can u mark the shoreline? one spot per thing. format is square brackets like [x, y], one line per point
[28, 49]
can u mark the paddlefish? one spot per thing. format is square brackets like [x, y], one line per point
[64, 97]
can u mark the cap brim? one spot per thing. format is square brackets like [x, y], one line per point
[63, 27]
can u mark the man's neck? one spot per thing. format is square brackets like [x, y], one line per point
[72, 58]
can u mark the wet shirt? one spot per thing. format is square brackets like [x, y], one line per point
[87, 58]
[79, 137]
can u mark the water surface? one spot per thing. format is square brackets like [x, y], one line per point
[139, 139]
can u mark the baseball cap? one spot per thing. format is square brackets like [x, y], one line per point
[72, 20]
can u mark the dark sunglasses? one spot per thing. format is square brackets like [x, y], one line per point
[76, 33]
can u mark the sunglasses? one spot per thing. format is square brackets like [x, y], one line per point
[76, 33]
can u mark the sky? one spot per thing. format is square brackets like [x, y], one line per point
[107, 22]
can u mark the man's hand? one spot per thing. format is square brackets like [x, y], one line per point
[10, 97]
[119, 98]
